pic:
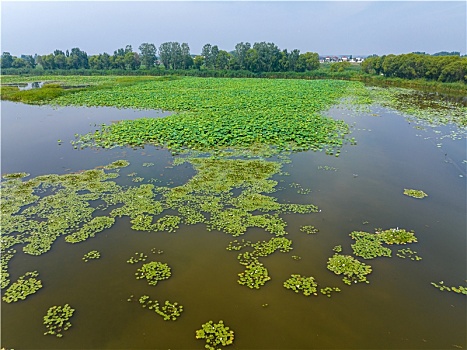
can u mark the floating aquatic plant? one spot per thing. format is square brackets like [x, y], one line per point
[138, 257]
[442, 287]
[296, 257]
[299, 283]
[156, 251]
[308, 229]
[254, 276]
[337, 248]
[117, 164]
[328, 290]
[25, 285]
[368, 246]
[397, 236]
[148, 164]
[415, 193]
[57, 319]
[15, 175]
[266, 119]
[327, 168]
[97, 224]
[168, 311]
[93, 254]
[408, 253]
[353, 270]
[216, 334]
[154, 272]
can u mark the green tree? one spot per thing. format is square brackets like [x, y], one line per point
[198, 62]
[7, 60]
[310, 60]
[132, 61]
[240, 53]
[148, 55]
[222, 60]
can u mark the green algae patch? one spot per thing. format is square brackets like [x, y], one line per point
[154, 272]
[353, 270]
[57, 320]
[298, 283]
[415, 193]
[25, 285]
[215, 334]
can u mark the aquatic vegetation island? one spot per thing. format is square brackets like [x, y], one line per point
[215, 334]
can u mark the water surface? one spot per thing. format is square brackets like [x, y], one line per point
[399, 309]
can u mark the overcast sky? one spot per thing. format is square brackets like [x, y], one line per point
[326, 27]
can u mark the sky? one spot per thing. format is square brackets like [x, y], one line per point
[356, 28]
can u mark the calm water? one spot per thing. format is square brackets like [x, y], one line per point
[399, 309]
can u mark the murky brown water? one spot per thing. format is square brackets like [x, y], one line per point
[399, 309]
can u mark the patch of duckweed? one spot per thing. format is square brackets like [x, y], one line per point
[92, 255]
[337, 248]
[368, 246]
[415, 193]
[57, 319]
[296, 257]
[148, 164]
[157, 251]
[353, 270]
[25, 285]
[396, 236]
[308, 229]
[254, 276]
[168, 311]
[300, 189]
[89, 229]
[327, 168]
[15, 176]
[215, 334]
[117, 164]
[442, 287]
[154, 272]
[6, 256]
[138, 257]
[299, 283]
[408, 253]
[328, 290]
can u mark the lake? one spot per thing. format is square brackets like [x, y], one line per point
[360, 190]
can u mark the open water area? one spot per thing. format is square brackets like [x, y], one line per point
[360, 190]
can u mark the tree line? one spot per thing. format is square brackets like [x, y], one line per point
[443, 68]
[259, 57]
